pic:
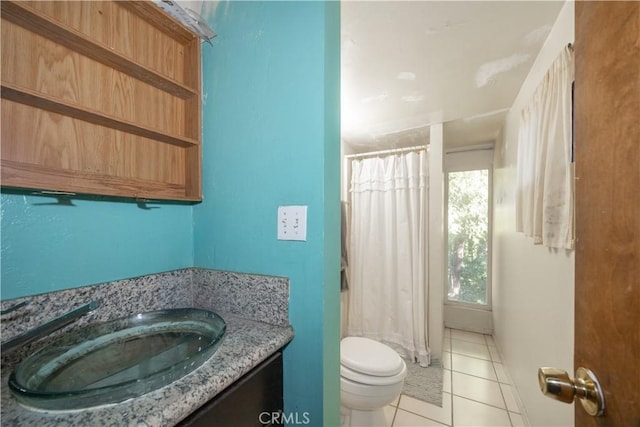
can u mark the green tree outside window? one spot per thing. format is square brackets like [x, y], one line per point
[468, 225]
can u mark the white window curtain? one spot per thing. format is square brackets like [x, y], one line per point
[544, 192]
[388, 253]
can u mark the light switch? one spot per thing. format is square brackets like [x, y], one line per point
[292, 223]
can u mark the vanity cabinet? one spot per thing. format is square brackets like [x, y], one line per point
[248, 402]
[100, 97]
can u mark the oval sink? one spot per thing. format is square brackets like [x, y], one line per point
[117, 360]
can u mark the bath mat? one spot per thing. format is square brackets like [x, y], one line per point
[424, 383]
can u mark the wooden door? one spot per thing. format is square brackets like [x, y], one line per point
[607, 141]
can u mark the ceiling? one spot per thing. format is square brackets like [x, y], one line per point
[409, 64]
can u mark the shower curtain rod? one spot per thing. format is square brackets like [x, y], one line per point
[480, 147]
[391, 151]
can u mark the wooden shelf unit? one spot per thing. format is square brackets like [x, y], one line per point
[100, 98]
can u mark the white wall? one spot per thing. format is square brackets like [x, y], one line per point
[436, 263]
[533, 286]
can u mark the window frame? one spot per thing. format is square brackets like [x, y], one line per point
[462, 160]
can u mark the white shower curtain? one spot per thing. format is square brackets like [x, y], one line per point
[388, 253]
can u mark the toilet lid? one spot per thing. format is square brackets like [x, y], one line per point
[369, 357]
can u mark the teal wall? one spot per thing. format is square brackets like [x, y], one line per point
[47, 246]
[331, 315]
[271, 137]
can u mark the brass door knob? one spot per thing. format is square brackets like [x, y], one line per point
[557, 384]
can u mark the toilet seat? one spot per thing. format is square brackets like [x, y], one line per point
[369, 357]
[361, 378]
[369, 362]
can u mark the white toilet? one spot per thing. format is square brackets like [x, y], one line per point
[371, 376]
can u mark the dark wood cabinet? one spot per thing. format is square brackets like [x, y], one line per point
[256, 399]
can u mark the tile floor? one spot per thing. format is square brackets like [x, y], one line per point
[476, 390]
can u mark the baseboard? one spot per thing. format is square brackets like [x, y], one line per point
[468, 319]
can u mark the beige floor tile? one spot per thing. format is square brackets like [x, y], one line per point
[490, 340]
[446, 380]
[477, 389]
[467, 413]
[408, 419]
[446, 360]
[473, 366]
[517, 420]
[457, 334]
[427, 410]
[495, 355]
[509, 398]
[501, 373]
[467, 348]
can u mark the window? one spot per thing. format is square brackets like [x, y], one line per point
[468, 237]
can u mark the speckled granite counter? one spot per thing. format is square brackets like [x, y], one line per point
[256, 328]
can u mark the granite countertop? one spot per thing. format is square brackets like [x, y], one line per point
[254, 307]
[245, 345]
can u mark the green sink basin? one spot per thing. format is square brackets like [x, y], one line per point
[113, 361]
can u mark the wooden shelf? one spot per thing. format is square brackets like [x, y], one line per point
[49, 103]
[34, 21]
[100, 98]
[42, 178]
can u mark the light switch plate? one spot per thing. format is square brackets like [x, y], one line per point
[292, 223]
